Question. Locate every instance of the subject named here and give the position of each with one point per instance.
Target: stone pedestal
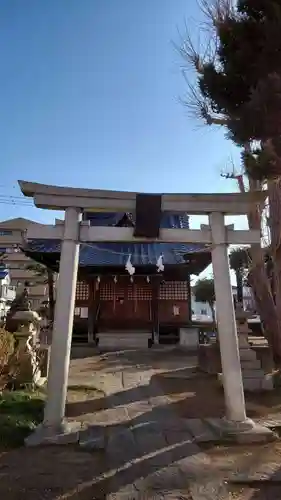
(254, 377)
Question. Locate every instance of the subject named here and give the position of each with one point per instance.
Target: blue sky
(90, 97)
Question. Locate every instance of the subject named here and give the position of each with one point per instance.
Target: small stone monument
(254, 377)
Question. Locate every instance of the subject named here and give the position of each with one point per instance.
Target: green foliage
(242, 83)
(37, 269)
(204, 291)
(47, 276)
(239, 258)
(20, 413)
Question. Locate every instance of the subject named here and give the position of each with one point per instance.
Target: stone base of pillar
(241, 432)
(65, 433)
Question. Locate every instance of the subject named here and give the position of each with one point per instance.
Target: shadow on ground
(142, 450)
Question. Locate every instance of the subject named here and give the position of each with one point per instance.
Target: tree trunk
(265, 306)
(261, 287)
(274, 197)
(239, 283)
(213, 312)
(50, 278)
(259, 281)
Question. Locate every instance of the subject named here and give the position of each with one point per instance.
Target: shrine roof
(3, 273)
(116, 254)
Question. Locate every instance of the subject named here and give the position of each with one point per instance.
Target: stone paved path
(150, 452)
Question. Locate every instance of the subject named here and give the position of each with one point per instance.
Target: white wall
(203, 309)
(200, 308)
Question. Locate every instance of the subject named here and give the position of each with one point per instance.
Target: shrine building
(130, 287)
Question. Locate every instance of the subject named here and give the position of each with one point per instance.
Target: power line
(11, 204)
(12, 196)
(9, 199)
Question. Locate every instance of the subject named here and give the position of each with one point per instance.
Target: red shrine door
(125, 304)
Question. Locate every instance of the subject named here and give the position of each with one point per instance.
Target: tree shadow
(126, 397)
(127, 359)
(142, 455)
(137, 457)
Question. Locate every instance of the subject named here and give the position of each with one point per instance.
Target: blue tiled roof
(3, 273)
(116, 254)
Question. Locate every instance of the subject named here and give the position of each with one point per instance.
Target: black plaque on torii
(148, 215)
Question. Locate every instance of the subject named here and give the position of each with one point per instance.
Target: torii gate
(73, 201)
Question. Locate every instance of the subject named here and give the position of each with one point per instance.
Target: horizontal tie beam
(98, 234)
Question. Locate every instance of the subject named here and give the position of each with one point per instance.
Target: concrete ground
(149, 451)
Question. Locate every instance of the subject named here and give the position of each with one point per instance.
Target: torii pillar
(63, 323)
(227, 328)
(73, 201)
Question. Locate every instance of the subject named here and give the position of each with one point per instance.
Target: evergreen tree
(239, 87)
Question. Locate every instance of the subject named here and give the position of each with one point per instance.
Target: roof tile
(116, 254)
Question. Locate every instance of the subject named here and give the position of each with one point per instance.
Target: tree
(232, 91)
(204, 291)
(239, 263)
(47, 277)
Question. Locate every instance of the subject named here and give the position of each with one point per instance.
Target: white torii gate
(73, 232)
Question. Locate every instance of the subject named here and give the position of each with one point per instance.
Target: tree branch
(189, 54)
(198, 106)
(216, 11)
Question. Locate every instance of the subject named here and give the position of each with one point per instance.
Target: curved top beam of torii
(60, 198)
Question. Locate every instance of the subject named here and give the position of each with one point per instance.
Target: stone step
(268, 382)
(251, 364)
(247, 355)
(252, 384)
(253, 374)
(119, 340)
(200, 430)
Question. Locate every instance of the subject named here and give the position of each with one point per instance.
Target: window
(204, 311)
(107, 291)
(139, 292)
(82, 290)
(173, 290)
(5, 232)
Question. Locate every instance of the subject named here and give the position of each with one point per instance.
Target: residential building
(11, 241)
(7, 292)
(201, 311)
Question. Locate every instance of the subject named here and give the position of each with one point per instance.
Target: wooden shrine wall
(126, 300)
(173, 304)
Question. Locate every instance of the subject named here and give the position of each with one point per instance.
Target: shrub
(7, 346)
(7, 353)
(20, 413)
